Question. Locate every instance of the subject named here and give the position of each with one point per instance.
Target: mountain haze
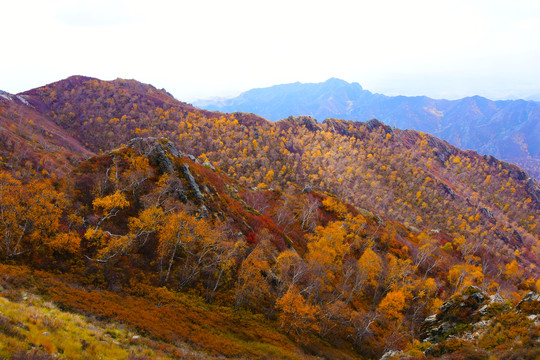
(506, 129)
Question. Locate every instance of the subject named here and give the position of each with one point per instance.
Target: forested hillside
(506, 129)
(211, 234)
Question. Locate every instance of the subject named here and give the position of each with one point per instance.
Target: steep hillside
(504, 129)
(403, 175)
(31, 143)
(181, 253)
(132, 222)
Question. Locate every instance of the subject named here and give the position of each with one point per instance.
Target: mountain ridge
(507, 129)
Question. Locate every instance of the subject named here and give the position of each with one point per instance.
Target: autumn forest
(136, 226)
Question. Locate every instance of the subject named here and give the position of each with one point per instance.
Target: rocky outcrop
(533, 189)
(209, 165)
(192, 182)
(487, 214)
(376, 124)
(5, 95)
(513, 170)
(338, 126)
(447, 189)
(456, 316)
(469, 321)
(157, 151)
(395, 355)
(517, 237)
(530, 304)
(310, 123)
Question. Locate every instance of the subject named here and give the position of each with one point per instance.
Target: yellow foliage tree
(29, 215)
(333, 205)
(398, 272)
(327, 248)
(108, 207)
(252, 287)
(269, 176)
(297, 314)
(184, 236)
(512, 271)
(371, 265)
(289, 268)
(392, 305)
(463, 275)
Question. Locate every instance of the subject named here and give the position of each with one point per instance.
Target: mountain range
(506, 129)
(135, 226)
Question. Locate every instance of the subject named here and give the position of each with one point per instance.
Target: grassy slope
(165, 321)
(34, 323)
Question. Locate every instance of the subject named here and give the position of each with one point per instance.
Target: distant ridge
(506, 129)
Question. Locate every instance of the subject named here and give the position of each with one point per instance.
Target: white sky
(199, 49)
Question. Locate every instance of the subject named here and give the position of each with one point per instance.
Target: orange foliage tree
(29, 215)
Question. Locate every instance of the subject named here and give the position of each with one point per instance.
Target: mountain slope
(116, 263)
(504, 129)
(157, 237)
(333, 239)
(30, 141)
(408, 176)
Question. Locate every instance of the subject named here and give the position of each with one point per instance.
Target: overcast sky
(199, 49)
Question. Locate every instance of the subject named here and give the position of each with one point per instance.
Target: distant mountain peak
(334, 80)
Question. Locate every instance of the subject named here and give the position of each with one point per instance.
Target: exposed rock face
(471, 318)
(513, 170)
(449, 191)
(336, 126)
(534, 190)
(443, 150)
(192, 182)
(517, 236)
(531, 296)
(156, 150)
(159, 153)
(310, 123)
(530, 304)
(209, 165)
(487, 213)
(455, 315)
(394, 355)
(5, 95)
(376, 124)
